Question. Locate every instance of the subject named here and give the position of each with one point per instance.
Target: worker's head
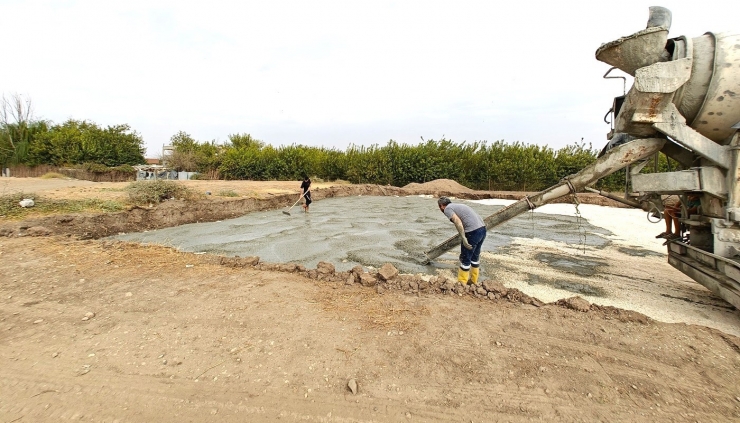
(443, 202)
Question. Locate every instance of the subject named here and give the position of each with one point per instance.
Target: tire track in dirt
(128, 398)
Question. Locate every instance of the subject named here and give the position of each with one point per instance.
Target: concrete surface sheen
(364, 230)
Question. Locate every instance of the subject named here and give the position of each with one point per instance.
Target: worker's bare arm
(461, 230)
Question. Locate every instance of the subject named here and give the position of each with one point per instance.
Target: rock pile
(388, 277)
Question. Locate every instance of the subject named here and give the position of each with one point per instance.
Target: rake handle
(299, 199)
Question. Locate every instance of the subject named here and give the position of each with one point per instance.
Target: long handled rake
(291, 207)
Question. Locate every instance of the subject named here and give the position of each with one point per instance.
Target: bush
(95, 168)
(124, 168)
(227, 193)
(53, 175)
(154, 192)
(479, 165)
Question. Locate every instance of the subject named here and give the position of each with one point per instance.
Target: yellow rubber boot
(462, 276)
(474, 271)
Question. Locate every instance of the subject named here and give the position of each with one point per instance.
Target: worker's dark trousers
(472, 257)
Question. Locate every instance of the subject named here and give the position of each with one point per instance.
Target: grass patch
(154, 192)
(54, 175)
(10, 209)
(227, 193)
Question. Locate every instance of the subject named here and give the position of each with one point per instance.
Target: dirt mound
(447, 185)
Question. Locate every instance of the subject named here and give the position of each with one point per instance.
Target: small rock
(575, 303)
(239, 261)
(85, 370)
(38, 321)
(357, 271)
(288, 267)
(38, 231)
(387, 272)
(448, 284)
(368, 280)
(352, 385)
(405, 283)
(55, 355)
(325, 268)
(495, 287)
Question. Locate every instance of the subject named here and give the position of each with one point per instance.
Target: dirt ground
(58, 188)
(96, 330)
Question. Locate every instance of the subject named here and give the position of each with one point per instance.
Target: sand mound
(447, 185)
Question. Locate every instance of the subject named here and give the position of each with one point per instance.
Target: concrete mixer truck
(685, 103)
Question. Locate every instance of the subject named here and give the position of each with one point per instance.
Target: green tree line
(479, 165)
(28, 141)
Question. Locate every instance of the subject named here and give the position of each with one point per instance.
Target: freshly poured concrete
(608, 256)
(369, 231)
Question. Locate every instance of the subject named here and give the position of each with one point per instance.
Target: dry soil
(94, 330)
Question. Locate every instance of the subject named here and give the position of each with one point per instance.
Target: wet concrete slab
(572, 264)
(364, 230)
(639, 252)
(583, 289)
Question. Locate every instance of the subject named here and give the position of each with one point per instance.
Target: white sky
(331, 73)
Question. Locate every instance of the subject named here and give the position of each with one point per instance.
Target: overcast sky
(331, 73)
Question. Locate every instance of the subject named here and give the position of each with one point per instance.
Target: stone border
(388, 278)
